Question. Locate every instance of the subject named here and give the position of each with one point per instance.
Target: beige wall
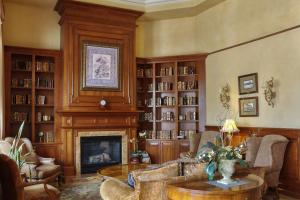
(31, 26)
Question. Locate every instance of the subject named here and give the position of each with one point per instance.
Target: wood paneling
(96, 24)
(79, 109)
(290, 173)
(167, 151)
(153, 148)
(161, 151)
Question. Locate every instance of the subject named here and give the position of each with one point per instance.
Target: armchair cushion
(37, 192)
(253, 144)
(44, 171)
(207, 136)
(4, 147)
(113, 189)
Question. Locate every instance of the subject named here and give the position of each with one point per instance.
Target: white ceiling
(154, 9)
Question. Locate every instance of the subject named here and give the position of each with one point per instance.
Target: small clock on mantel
(103, 103)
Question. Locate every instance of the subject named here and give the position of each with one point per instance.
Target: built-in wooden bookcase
(171, 94)
(31, 77)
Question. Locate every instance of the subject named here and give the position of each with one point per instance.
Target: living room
(146, 84)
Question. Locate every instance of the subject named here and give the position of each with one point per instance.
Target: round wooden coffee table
(200, 189)
(120, 171)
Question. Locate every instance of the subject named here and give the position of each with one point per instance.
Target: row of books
(21, 99)
(44, 66)
(166, 101)
(20, 116)
(144, 73)
(42, 117)
(190, 115)
(164, 86)
(186, 70)
(147, 116)
(45, 83)
(46, 137)
(26, 83)
(187, 85)
(185, 133)
(187, 100)
(166, 71)
(164, 134)
(168, 116)
(22, 65)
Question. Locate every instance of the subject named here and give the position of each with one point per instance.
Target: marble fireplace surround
(100, 133)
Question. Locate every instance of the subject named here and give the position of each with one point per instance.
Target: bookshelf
(172, 100)
(30, 79)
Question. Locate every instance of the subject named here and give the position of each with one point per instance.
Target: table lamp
(229, 127)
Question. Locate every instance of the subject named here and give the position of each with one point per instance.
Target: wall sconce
(269, 92)
(225, 97)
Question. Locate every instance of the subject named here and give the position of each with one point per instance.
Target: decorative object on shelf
(248, 107)
(248, 84)
(228, 128)
(269, 92)
(225, 96)
(100, 66)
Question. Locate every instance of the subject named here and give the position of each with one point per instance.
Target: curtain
(1, 73)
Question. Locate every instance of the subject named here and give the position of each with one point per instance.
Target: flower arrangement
(215, 156)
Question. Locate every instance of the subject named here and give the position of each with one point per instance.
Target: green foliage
(15, 152)
(212, 154)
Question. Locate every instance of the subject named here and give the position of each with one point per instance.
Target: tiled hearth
(124, 140)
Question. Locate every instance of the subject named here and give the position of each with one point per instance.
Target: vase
(226, 168)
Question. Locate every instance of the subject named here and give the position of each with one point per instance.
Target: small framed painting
(100, 68)
(248, 84)
(248, 107)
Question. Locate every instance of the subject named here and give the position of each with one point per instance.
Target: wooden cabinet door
(153, 148)
(167, 151)
(182, 146)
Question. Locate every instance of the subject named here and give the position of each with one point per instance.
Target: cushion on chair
(113, 189)
(37, 192)
(253, 144)
(24, 148)
(44, 171)
(4, 147)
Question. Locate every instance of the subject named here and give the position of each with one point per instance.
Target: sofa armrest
(113, 189)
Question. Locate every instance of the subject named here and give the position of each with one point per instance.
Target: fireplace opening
(100, 151)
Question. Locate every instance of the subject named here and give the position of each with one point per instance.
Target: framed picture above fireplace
(100, 68)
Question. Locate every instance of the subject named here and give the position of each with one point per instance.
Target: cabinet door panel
(153, 148)
(182, 146)
(167, 151)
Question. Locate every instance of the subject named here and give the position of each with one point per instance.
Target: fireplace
(99, 151)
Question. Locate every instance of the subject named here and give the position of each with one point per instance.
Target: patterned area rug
(82, 188)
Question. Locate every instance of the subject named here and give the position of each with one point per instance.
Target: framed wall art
(248, 84)
(248, 107)
(100, 68)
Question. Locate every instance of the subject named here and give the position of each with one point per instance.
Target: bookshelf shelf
(30, 78)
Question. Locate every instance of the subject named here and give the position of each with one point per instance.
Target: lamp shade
(229, 126)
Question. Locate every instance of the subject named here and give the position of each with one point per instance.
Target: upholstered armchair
(267, 152)
(151, 184)
(197, 141)
(36, 167)
(14, 188)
